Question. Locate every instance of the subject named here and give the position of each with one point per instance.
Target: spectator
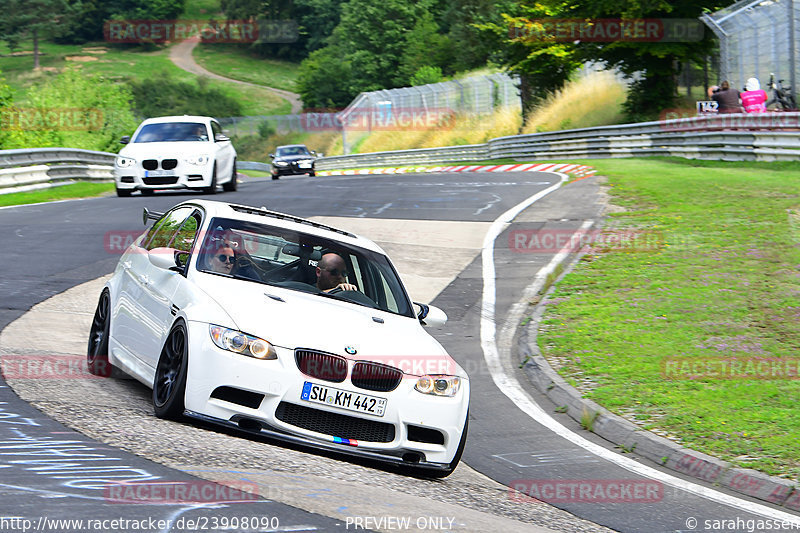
(754, 97)
(727, 99)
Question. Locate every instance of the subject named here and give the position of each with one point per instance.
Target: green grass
(63, 192)
(201, 9)
(233, 61)
(255, 173)
(119, 63)
(720, 282)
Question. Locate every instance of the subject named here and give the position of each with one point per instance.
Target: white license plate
(158, 173)
(304, 165)
(352, 401)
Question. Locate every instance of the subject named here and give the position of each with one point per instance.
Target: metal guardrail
(733, 137)
(34, 168)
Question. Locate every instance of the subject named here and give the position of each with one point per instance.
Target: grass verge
(63, 192)
(720, 282)
(232, 61)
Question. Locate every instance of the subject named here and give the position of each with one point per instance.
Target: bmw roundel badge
(350, 350)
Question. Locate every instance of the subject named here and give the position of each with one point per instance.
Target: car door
(162, 284)
(135, 320)
(225, 154)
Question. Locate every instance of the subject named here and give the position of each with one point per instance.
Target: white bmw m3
(284, 327)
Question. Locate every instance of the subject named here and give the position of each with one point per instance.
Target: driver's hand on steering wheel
(343, 287)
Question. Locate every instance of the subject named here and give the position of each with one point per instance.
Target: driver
(332, 274)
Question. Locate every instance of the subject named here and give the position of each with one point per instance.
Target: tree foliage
(21, 19)
(164, 95)
(72, 110)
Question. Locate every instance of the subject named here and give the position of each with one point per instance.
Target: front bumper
(182, 176)
(267, 393)
(291, 169)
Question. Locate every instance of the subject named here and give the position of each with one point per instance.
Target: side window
(167, 226)
(215, 128)
(185, 236)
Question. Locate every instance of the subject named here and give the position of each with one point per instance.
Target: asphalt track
(48, 249)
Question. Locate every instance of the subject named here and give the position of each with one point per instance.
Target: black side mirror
(272, 156)
(125, 139)
(150, 215)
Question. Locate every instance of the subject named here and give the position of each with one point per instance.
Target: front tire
(231, 185)
(97, 351)
(212, 189)
(169, 387)
(123, 193)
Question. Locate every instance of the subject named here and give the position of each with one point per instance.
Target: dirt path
(181, 55)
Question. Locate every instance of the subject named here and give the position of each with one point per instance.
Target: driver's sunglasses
(226, 258)
(337, 272)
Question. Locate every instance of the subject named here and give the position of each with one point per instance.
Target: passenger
(222, 260)
(332, 274)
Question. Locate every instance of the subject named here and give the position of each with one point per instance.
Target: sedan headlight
(198, 160)
(280, 163)
(125, 162)
(242, 343)
(438, 385)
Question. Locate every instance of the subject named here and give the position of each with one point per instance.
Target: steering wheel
(335, 290)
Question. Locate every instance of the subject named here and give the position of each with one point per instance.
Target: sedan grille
(375, 376)
(150, 164)
(169, 164)
(320, 365)
(334, 424)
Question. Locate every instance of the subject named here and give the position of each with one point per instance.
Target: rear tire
(169, 387)
(97, 351)
(231, 185)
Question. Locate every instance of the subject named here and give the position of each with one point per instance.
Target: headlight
(236, 341)
(280, 163)
(438, 385)
(125, 162)
(198, 160)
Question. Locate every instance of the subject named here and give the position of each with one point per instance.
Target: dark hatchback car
(292, 159)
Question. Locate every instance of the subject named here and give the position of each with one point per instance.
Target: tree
(324, 78)
(425, 47)
(20, 19)
(654, 63)
(542, 64)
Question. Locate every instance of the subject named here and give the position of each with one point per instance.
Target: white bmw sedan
(284, 327)
(184, 152)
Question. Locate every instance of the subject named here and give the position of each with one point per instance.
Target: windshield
(284, 151)
(276, 256)
(172, 132)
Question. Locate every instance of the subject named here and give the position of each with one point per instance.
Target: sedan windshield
(172, 132)
(297, 261)
(285, 151)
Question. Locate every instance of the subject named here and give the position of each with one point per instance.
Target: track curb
(631, 438)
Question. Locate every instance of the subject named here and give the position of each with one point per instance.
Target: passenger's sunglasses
(226, 258)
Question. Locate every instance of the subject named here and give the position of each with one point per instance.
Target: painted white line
(503, 376)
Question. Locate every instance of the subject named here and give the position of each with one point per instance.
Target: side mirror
(430, 315)
(272, 156)
(150, 215)
(166, 258)
(125, 139)
(221, 137)
(313, 152)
